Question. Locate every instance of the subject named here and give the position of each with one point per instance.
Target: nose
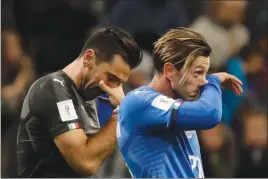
(203, 81)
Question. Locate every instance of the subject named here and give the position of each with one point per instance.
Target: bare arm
(86, 154)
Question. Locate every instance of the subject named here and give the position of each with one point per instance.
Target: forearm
(102, 144)
(204, 113)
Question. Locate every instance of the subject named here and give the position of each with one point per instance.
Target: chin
(192, 98)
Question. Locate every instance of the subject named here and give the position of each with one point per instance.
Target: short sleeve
(53, 104)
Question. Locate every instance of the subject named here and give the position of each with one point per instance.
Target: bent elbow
(87, 169)
(92, 168)
(214, 116)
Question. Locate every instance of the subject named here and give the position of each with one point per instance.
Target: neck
(75, 75)
(160, 84)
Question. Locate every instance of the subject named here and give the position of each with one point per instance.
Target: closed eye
(113, 78)
(199, 72)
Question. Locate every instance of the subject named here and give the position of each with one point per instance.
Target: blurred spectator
(17, 74)
(252, 146)
(249, 62)
(222, 28)
(139, 15)
(256, 20)
(141, 75)
(218, 152)
(16, 69)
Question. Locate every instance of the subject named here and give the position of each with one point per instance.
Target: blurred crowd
(40, 36)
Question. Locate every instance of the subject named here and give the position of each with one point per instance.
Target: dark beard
(91, 93)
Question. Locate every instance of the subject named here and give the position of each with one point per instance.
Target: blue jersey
(157, 136)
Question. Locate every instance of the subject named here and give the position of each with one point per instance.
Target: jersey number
(196, 162)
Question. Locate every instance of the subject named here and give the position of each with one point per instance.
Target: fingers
(239, 88)
(236, 89)
(116, 93)
(236, 84)
(235, 79)
(105, 88)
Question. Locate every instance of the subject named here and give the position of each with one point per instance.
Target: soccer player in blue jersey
(156, 124)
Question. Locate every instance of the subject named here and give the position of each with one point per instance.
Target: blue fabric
(149, 144)
(230, 101)
(204, 113)
(104, 110)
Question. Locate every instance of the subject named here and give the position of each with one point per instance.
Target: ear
(168, 70)
(89, 58)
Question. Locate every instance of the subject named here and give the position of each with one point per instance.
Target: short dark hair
(178, 46)
(113, 40)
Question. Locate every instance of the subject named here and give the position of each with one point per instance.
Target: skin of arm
(85, 154)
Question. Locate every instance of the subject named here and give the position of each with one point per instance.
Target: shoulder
(47, 92)
(143, 98)
(140, 95)
(51, 85)
(41, 88)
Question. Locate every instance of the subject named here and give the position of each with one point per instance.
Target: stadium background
(42, 36)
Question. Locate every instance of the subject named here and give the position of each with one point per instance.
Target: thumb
(105, 88)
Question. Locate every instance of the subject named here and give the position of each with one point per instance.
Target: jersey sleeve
(204, 113)
(152, 110)
(145, 110)
(53, 104)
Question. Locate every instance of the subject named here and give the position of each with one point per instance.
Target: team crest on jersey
(162, 102)
(66, 110)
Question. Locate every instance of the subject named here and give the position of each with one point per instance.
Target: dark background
(42, 36)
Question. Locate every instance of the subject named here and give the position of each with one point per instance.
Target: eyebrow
(200, 66)
(114, 76)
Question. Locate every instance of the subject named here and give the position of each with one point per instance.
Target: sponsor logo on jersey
(162, 102)
(60, 81)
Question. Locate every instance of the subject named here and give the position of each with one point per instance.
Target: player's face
(113, 73)
(196, 77)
